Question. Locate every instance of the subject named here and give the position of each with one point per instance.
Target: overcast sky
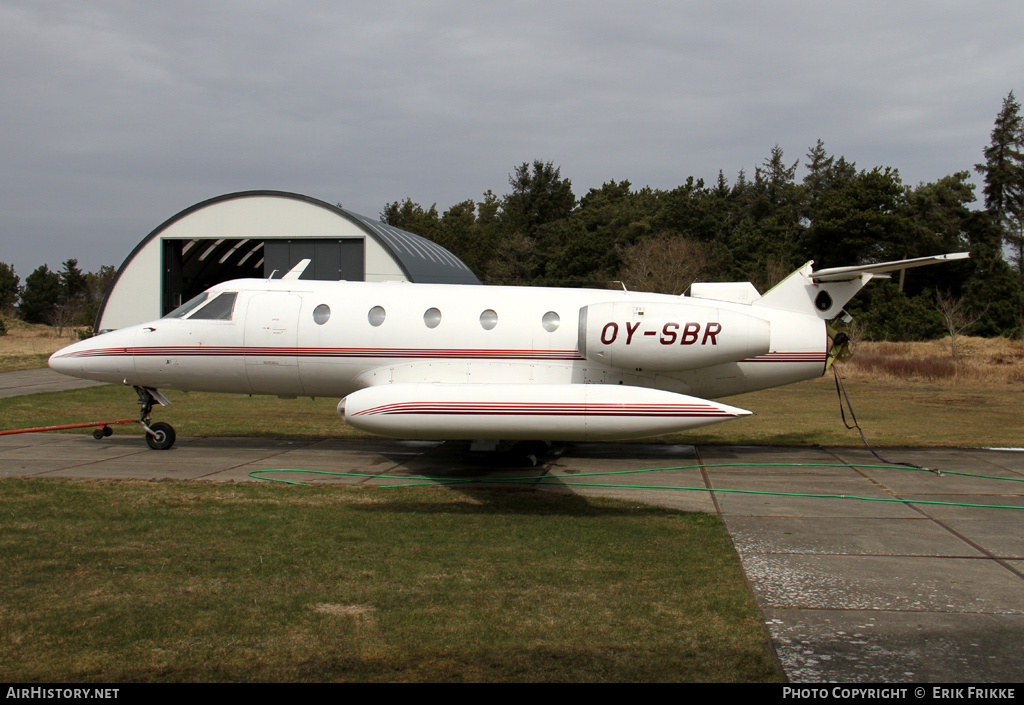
(115, 116)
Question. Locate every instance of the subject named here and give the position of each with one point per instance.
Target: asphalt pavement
(13, 384)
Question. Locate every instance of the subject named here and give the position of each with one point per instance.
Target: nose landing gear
(159, 435)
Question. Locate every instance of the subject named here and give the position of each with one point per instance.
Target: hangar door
(333, 260)
(192, 266)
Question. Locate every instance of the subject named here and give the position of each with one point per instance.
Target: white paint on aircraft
(434, 361)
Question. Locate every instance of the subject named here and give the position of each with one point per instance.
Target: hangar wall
(254, 233)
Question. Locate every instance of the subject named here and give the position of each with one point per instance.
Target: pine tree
(42, 293)
(74, 282)
(539, 196)
(992, 287)
(1004, 178)
(9, 287)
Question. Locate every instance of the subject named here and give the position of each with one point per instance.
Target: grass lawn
(132, 581)
(892, 413)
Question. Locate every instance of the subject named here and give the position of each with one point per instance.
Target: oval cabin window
(321, 314)
(432, 318)
(550, 321)
(376, 316)
(488, 319)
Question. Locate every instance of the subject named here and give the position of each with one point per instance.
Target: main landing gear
(159, 435)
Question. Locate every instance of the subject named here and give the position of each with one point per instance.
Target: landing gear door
(271, 337)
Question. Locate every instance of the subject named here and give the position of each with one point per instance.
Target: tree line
(759, 228)
(64, 299)
(754, 228)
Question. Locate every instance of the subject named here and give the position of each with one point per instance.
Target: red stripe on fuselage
(553, 409)
(234, 351)
(455, 353)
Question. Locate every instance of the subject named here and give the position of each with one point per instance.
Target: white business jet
(441, 362)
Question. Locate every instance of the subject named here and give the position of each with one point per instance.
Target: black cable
(841, 393)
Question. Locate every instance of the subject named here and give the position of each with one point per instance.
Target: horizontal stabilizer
(838, 274)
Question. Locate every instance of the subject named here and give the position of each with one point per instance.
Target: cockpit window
(188, 306)
(217, 310)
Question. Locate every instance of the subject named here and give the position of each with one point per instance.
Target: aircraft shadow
(498, 482)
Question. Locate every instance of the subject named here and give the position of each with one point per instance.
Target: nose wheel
(159, 435)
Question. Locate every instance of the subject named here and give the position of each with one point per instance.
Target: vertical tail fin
(801, 292)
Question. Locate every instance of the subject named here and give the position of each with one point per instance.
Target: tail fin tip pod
(826, 291)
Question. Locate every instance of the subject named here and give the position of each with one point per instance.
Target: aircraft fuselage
(309, 338)
(485, 362)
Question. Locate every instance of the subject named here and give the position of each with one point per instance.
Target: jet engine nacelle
(565, 412)
(669, 336)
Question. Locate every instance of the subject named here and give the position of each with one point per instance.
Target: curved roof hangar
(260, 234)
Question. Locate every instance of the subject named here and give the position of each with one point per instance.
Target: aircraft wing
(838, 274)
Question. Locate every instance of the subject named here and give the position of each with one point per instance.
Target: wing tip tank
(528, 412)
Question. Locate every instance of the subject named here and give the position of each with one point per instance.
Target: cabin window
(188, 306)
(432, 318)
(550, 321)
(217, 310)
(376, 316)
(488, 319)
(321, 314)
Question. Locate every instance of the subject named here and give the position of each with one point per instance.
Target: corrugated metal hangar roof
(253, 234)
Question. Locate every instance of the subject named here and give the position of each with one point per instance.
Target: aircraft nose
(105, 358)
(64, 363)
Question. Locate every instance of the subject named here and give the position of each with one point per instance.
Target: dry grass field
(983, 362)
(27, 346)
(904, 394)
